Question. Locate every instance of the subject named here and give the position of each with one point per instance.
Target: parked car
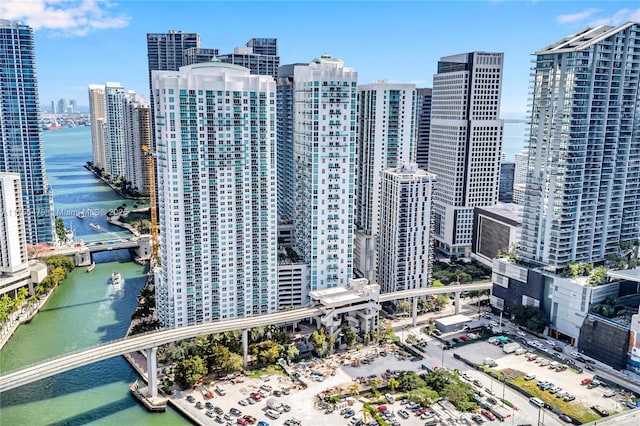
(530, 377)
(191, 399)
(580, 359)
(464, 338)
(589, 367)
(590, 361)
(565, 418)
(569, 398)
(488, 414)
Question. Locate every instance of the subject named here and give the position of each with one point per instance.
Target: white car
(574, 353)
(521, 333)
(493, 324)
(551, 343)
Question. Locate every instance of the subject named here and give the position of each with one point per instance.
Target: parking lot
(540, 370)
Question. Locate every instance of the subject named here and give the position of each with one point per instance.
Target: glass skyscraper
(20, 131)
(582, 197)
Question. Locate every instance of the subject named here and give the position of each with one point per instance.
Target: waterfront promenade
(23, 315)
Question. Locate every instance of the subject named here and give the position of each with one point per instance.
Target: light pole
(442, 364)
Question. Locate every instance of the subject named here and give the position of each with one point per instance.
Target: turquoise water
(82, 312)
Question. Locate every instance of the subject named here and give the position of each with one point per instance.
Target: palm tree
(374, 383)
(393, 384)
(366, 414)
(354, 389)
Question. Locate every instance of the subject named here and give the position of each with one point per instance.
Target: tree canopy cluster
(435, 385)
(530, 317)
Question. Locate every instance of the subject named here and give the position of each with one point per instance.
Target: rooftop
(454, 319)
(510, 211)
(583, 39)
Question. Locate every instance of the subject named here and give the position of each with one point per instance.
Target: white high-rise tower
(216, 164)
(465, 144)
(98, 125)
(386, 138)
(324, 166)
(582, 197)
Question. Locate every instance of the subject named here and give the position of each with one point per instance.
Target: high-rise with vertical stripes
(465, 144)
(582, 196)
(216, 169)
(21, 149)
(386, 138)
(324, 158)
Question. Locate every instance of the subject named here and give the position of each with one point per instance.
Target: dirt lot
(568, 380)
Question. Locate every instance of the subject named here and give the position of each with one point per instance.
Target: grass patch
(574, 409)
(271, 369)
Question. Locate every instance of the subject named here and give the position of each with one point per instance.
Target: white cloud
(576, 17)
(620, 17)
(67, 17)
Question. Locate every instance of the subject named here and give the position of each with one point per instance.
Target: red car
(464, 338)
(250, 419)
(256, 396)
(242, 421)
(382, 408)
(488, 414)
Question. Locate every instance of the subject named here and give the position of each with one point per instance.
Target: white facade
(98, 125)
(324, 139)
(293, 284)
(137, 124)
(115, 149)
(13, 242)
(583, 186)
(404, 240)
(520, 175)
(571, 299)
(386, 138)
(465, 144)
(216, 168)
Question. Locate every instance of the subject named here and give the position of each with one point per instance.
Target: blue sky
(80, 42)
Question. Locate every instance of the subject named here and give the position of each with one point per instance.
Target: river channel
(82, 312)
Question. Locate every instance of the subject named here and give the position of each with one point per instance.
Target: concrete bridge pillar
(144, 249)
(245, 347)
(414, 312)
(457, 302)
(152, 372)
(82, 257)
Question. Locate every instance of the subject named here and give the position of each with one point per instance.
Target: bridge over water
(149, 342)
(82, 252)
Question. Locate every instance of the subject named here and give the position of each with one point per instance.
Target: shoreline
(24, 318)
(116, 190)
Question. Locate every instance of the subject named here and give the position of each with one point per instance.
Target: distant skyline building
(405, 249)
(53, 107)
(260, 55)
(21, 149)
(13, 244)
(285, 117)
(465, 144)
(505, 190)
(520, 176)
(582, 196)
(62, 106)
(423, 126)
(324, 167)
(386, 138)
(197, 55)
(115, 148)
(217, 194)
(98, 119)
(73, 106)
(137, 126)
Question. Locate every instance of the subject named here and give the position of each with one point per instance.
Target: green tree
(292, 352)
(350, 336)
(374, 383)
(393, 384)
(190, 370)
(404, 306)
(423, 395)
(319, 341)
(331, 342)
(267, 351)
(409, 381)
(354, 389)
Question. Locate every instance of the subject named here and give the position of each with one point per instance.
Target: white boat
(80, 215)
(116, 280)
(91, 267)
(68, 236)
(95, 226)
